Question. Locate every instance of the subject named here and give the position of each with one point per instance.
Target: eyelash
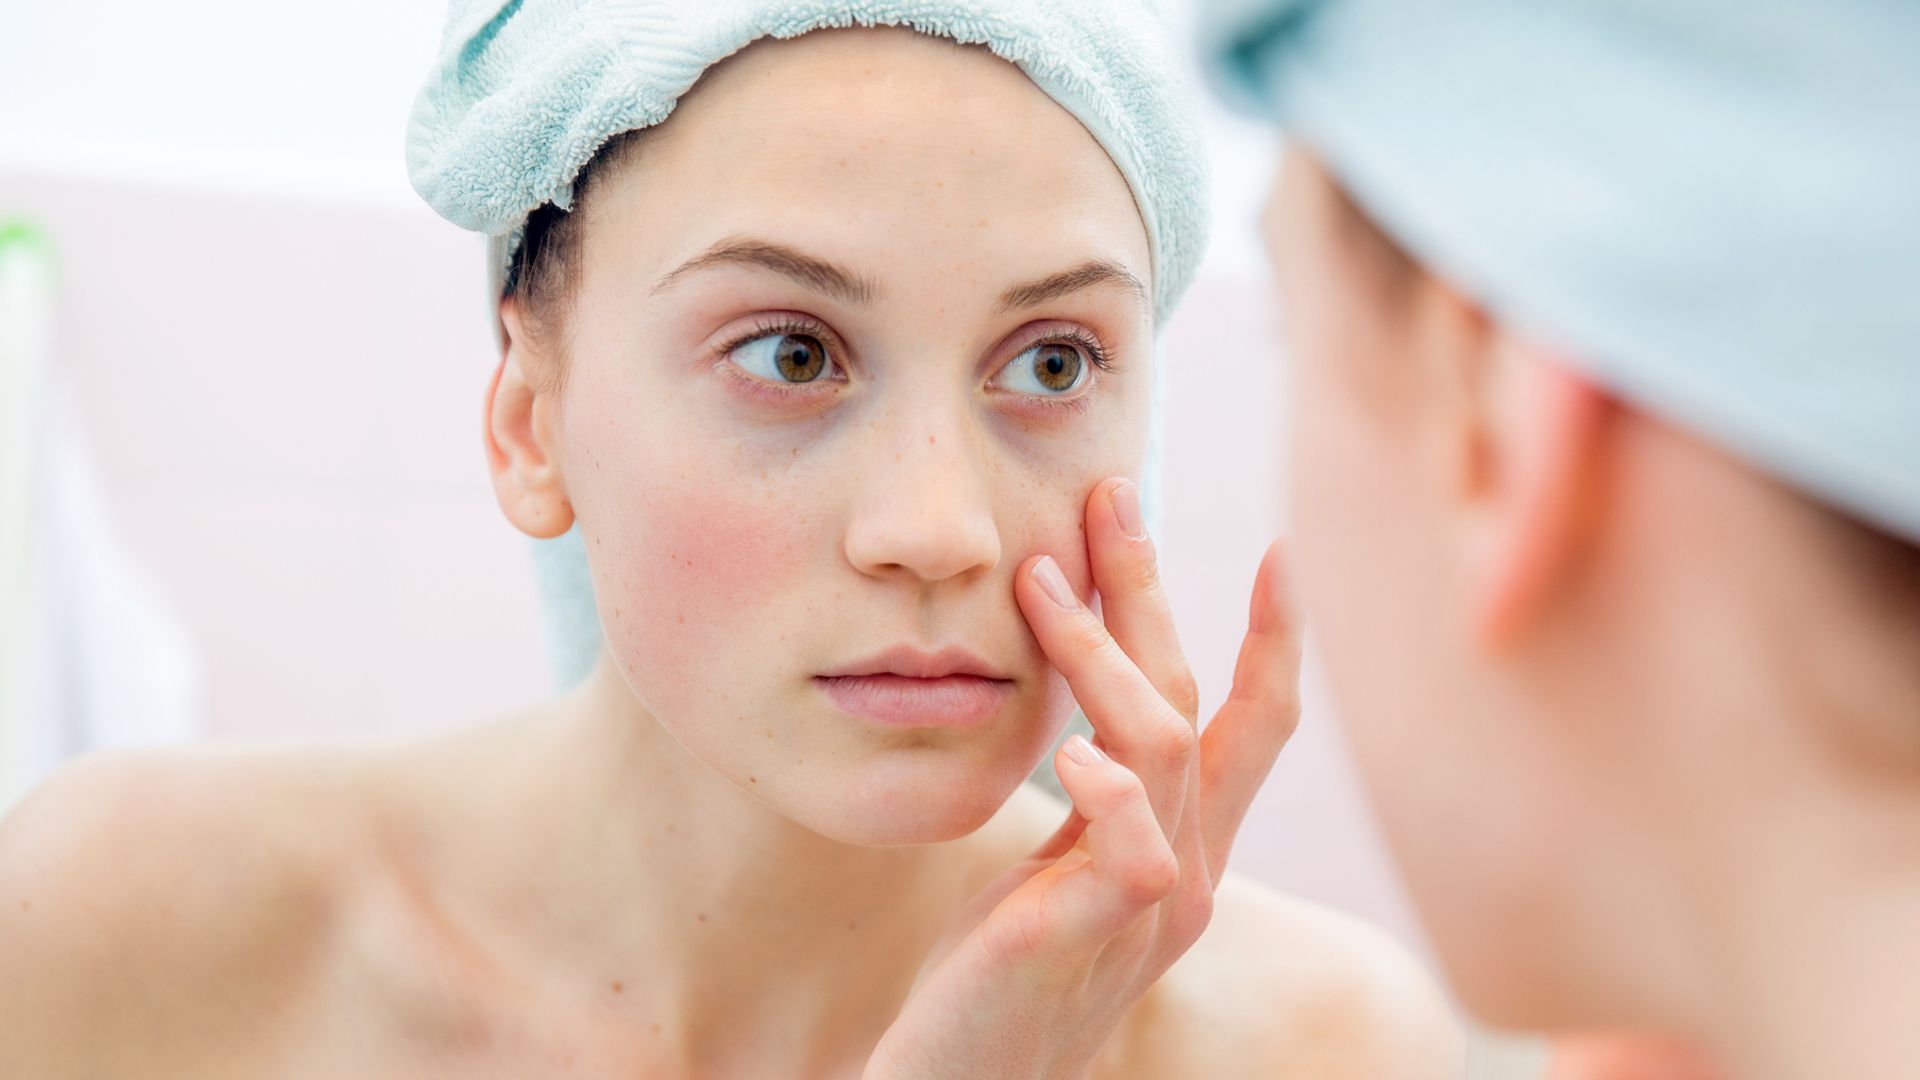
(1097, 353)
(1096, 350)
(768, 326)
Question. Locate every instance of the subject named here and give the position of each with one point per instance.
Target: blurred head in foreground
(1606, 493)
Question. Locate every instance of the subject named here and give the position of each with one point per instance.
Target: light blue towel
(525, 91)
(1712, 207)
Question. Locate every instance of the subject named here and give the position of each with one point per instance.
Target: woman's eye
(784, 358)
(1048, 369)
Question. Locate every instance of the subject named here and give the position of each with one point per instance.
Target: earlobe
(521, 450)
(1544, 485)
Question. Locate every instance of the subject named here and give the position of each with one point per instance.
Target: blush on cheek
(684, 574)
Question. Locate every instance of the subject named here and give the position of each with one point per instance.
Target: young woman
(1607, 496)
(832, 371)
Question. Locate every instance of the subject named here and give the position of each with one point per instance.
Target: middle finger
(1136, 725)
(1126, 572)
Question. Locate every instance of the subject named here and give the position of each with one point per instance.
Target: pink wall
(283, 395)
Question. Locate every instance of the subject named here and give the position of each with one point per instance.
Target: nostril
(929, 546)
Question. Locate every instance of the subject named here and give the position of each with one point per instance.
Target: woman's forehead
(912, 114)
(864, 70)
(1000, 189)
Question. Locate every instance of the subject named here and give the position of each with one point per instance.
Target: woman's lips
(908, 702)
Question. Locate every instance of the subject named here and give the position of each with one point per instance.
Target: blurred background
(241, 366)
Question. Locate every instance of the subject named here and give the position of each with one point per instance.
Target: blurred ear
(1534, 483)
(521, 430)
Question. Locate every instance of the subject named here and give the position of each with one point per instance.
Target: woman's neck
(1791, 796)
(731, 925)
(1821, 976)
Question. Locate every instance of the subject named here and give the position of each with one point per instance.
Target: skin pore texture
(697, 863)
(1642, 725)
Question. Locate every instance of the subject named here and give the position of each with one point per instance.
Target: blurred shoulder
(126, 835)
(1279, 986)
(160, 893)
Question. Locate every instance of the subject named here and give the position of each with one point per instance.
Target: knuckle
(1286, 714)
(1020, 936)
(1175, 742)
(1152, 877)
(1190, 914)
(1183, 693)
(1090, 636)
(1126, 792)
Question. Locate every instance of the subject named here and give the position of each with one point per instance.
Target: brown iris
(799, 357)
(1057, 366)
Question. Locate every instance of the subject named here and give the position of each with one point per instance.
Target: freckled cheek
(685, 528)
(1045, 495)
(1059, 534)
(686, 574)
(1051, 520)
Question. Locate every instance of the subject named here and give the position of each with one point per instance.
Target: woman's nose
(924, 509)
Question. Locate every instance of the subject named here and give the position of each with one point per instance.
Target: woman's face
(855, 332)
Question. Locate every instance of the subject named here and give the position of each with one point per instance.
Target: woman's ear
(522, 436)
(1542, 443)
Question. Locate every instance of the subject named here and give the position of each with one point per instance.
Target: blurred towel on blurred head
(1713, 208)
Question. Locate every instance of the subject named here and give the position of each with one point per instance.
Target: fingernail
(1047, 573)
(1126, 509)
(1082, 751)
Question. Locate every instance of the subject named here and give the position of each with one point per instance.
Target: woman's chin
(907, 797)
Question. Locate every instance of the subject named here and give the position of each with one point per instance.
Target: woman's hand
(1056, 951)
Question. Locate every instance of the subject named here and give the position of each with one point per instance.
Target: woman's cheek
(1052, 521)
(685, 574)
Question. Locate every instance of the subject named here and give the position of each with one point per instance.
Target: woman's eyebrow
(815, 273)
(1086, 275)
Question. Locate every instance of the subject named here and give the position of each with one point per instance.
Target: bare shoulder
(1277, 986)
(159, 903)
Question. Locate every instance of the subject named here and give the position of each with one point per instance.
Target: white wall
(232, 92)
